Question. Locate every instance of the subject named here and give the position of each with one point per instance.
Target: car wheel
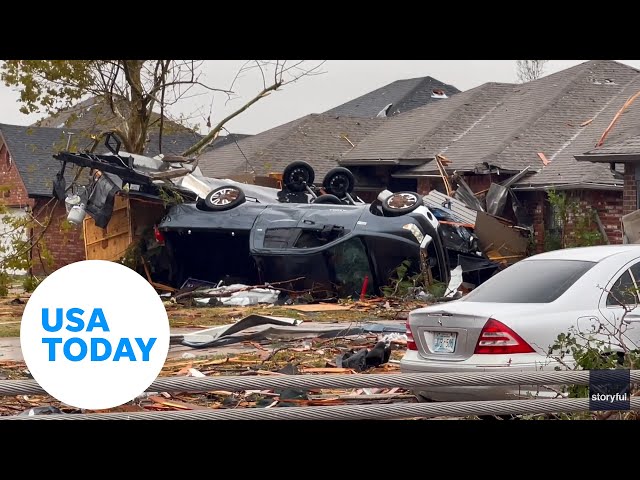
(339, 181)
(328, 199)
(400, 203)
(224, 198)
(297, 176)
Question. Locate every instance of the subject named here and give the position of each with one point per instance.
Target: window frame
(636, 282)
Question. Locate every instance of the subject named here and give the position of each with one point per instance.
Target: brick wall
(478, 183)
(13, 193)
(534, 204)
(629, 195)
(608, 204)
(64, 241)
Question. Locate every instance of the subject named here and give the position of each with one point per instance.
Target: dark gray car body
(328, 248)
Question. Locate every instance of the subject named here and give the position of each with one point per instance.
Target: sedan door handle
(635, 318)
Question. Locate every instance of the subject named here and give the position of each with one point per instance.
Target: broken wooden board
(631, 226)
(319, 307)
(499, 239)
(177, 404)
(109, 243)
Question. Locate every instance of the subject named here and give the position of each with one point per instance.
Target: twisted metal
(350, 412)
(404, 380)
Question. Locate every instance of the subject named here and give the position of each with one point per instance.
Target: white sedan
(509, 322)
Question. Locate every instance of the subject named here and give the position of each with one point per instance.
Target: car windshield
(530, 281)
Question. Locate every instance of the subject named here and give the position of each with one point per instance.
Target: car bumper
(413, 363)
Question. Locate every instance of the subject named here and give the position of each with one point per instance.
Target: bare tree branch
(528, 70)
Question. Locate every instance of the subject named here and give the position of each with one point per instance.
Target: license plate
(444, 342)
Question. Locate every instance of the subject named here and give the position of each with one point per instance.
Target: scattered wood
(178, 404)
(260, 372)
(372, 396)
(603, 232)
(441, 161)
(319, 307)
(616, 117)
(587, 122)
(256, 345)
(545, 160)
(327, 370)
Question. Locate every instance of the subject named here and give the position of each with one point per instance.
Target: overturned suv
(323, 240)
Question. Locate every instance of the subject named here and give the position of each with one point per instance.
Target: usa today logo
(94, 334)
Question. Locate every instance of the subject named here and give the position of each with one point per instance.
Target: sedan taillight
(158, 235)
(496, 337)
(411, 343)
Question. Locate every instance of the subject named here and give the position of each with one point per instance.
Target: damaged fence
(353, 412)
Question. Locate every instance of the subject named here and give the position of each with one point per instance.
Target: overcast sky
(342, 81)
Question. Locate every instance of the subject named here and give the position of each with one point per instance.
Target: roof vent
(438, 93)
(383, 113)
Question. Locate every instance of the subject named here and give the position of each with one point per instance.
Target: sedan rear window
(530, 281)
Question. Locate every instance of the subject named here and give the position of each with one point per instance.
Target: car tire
(327, 199)
(339, 181)
(297, 176)
(224, 198)
(401, 203)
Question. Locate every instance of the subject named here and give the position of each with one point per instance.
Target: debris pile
(360, 349)
(478, 238)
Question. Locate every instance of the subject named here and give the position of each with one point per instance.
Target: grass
(9, 329)
(211, 316)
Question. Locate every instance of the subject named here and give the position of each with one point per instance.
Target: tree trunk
(138, 118)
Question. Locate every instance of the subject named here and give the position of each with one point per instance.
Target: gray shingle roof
(404, 95)
(589, 98)
(630, 146)
(506, 126)
(404, 139)
(31, 149)
(318, 139)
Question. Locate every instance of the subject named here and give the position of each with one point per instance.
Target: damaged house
(318, 139)
(620, 150)
(493, 132)
(395, 98)
(322, 139)
(27, 173)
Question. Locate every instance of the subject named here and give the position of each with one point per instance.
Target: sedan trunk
(442, 335)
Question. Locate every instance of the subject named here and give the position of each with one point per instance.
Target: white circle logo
(94, 334)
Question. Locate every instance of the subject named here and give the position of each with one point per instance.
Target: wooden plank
(163, 287)
(543, 157)
(603, 232)
(120, 201)
(109, 249)
(492, 232)
(107, 237)
(109, 243)
(118, 224)
(319, 307)
(440, 161)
